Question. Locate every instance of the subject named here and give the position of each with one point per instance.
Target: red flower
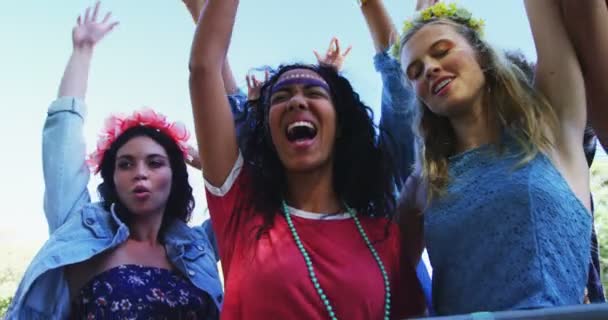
(115, 125)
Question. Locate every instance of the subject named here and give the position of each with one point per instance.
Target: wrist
(85, 51)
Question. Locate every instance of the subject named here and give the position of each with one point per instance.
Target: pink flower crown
(115, 125)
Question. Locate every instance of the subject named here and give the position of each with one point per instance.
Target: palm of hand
(89, 34)
(334, 57)
(254, 86)
(88, 31)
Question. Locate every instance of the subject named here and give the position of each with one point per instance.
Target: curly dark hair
(180, 202)
(363, 173)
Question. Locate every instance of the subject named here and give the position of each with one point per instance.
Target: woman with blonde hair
(503, 168)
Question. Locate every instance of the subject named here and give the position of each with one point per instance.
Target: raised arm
(559, 79)
(215, 131)
(587, 25)
(398, 102)
(380, 25)
(63, 149)
(195, 7)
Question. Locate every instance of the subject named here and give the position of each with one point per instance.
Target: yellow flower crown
(437, 11)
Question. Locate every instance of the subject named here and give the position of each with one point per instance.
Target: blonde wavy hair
(511, 100)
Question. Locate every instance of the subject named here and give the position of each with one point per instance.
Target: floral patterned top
(140, 292)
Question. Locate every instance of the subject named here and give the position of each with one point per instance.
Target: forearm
(76, 75)
(380, 25)
(411, 203)
(213, 119)
(397, 137)
(558, 68)
(397, 116)
(587, 26)
(63, 158)
(195, 7)
(213, 33)
(229, 80)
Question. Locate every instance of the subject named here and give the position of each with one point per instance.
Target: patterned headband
(299, 78)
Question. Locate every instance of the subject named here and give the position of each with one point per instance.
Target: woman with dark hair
(503, 167)
(132, 255)
(303, 218)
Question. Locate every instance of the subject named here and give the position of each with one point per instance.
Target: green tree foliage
(599, 188)
(4, 302)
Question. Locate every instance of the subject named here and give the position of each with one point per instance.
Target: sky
(143, 62)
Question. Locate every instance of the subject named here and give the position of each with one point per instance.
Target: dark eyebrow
(155, 155)
(285, 89)
(310, 86)
(130, 157)
(125, 156)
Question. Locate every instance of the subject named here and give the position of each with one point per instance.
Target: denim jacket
(80, 230)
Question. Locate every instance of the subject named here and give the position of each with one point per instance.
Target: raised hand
(254, 85)
(88, 30)
(423, 4)
(333, 56)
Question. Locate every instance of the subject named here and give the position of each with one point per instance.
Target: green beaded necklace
(313, 276)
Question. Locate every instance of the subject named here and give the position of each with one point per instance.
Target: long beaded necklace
(313, 276)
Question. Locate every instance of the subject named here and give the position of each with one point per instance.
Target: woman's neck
(146, 228)
(313, 192)
(474, 129)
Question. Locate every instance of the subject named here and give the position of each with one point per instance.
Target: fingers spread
(87, 16)
(347, 51)
(107, 17)
(337, 44)
(317, 55)
(114, 24)
(95, 11)
(248, 80)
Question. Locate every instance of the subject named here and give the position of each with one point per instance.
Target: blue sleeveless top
(139, 292)
(506, 237)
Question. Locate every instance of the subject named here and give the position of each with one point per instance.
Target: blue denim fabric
(240, 112)
(80, 230)
(397, 133)
(397, 116)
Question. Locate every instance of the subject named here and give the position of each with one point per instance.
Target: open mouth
(301, 131)
(442, 84)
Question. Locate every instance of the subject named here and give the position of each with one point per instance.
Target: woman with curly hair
(303, 218)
